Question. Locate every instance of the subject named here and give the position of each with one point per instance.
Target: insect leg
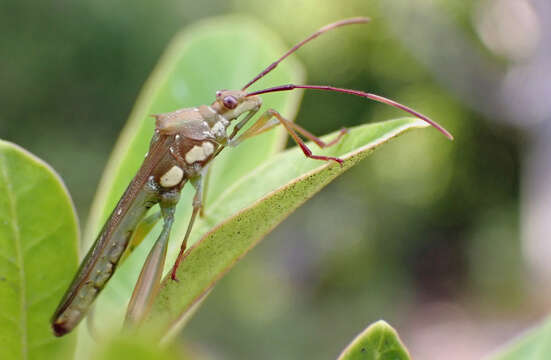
(149, 280)
(236, 129)
(242, 123)
(264, 123)
(197, 183)
(322, 144)
(272, 118)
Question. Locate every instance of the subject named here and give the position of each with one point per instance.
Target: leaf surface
(38, 255)
(378, 342)
(252, 207)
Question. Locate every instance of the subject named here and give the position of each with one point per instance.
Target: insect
(183, 145)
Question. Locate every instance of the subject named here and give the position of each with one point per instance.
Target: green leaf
(252, 207)
(220, 53)
(38, 255)
(126, 346)
(378, 342)
(534, 345)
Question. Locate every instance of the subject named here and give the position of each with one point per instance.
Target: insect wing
(99, 264)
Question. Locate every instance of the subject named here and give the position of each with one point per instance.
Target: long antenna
(374, 97)
(356, 20)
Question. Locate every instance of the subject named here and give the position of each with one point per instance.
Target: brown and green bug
(183, 145)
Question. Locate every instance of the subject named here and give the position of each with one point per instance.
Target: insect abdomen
(101, 261)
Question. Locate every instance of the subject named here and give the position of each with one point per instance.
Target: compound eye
(230, 102)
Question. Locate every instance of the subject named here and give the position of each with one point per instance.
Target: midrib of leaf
(380, 346)
(17, 235)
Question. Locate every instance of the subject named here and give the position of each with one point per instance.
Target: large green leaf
(38, 255)
(534, 345)
(253, 206)
(220, 53)
(378, 342)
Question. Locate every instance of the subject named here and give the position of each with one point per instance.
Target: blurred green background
(446, 241)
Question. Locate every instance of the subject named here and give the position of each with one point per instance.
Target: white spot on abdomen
(199, 153)
(172, 177)
(195, 154)
(208, 148)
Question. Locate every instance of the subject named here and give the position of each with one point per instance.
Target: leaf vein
(18, 248)
(40, 239)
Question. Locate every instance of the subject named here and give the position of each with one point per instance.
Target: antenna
(374, 97)
(326, 28)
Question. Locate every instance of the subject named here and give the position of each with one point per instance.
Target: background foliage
(443, 240)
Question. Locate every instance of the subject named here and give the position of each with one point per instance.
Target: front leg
(227, 139)
(243, 122)
(271, 118)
